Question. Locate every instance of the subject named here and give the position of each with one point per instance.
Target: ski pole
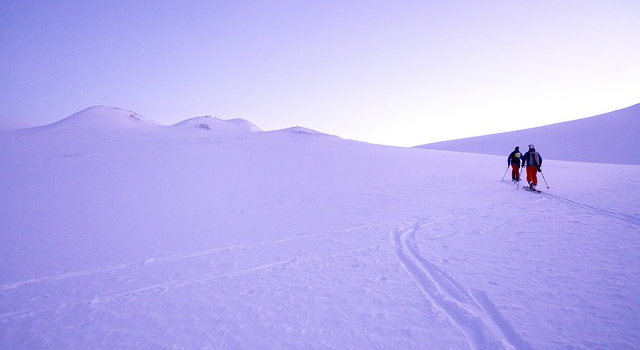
(545, 180)
(505, 173)
(519, 178)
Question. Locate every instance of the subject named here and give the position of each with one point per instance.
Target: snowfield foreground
(117, 233)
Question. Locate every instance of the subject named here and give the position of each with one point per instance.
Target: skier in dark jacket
(533, 161)
(514, 160)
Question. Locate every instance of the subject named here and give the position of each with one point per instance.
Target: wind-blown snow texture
(607, 138)
(118, 233)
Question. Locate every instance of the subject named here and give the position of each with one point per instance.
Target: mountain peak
(216, 124)
(103, 117)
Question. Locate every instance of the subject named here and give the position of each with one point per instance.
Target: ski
(515, 183)
(528, 188)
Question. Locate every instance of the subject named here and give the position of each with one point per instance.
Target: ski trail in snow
(155, 260)
(471, 326)
(159, 286)
(620, 216)
(212, 277)
(63, 276)
(150, 275)
(199, 279)
(175, 284)
(490, 309)
(472, 311)
(113, 268)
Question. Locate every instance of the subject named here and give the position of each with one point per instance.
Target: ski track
(471, 310)
(114, 268)
(105, 294)
(620, 216)
(156, 260)
(160, 286)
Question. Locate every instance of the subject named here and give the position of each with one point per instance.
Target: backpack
(534, 159)
(515, 157)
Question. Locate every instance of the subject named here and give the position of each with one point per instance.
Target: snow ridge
(218, 125)
(301, 130)
(607, 138)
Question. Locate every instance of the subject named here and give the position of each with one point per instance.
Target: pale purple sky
(390, 72)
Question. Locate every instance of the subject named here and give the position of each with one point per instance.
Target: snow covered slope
(164, 239)
(608, 138)
(219, 125)
(107, 119)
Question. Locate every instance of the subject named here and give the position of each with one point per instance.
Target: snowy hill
(608, 138)
(300, 130)
(102, 118)
(144, 236)
(219, 125)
